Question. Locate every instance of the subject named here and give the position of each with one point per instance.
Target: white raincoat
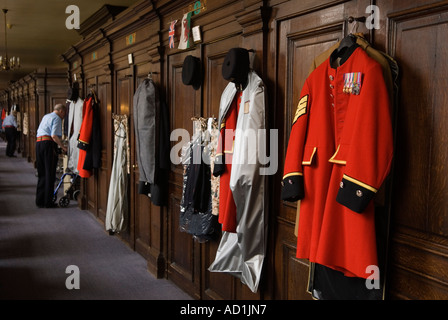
(242, 253)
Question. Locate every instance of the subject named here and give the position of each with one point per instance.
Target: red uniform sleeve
(85, 132)
(370, 151)
(292, 183)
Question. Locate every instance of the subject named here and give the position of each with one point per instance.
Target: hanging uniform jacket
(93, 155)
(242, 253)
(151, 123)
(326, 283)
(223, 169)
(339, 153)
(85, 133)
(89, 139)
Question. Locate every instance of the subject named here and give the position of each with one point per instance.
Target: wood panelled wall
(35, 94)
(286, 36)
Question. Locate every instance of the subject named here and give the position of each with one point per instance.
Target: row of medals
(352, 83)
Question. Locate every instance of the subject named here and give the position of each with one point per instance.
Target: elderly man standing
(10, 127)
(49, 136)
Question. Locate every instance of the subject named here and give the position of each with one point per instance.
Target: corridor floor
(44, 252)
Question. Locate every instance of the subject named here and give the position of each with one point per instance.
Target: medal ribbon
(346, 83)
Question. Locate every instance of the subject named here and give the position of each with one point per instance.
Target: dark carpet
(38, 245)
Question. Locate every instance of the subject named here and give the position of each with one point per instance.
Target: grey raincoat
(242, 253)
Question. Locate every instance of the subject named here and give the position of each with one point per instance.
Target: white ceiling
(38, 33)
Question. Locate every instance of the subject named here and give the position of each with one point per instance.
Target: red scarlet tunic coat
(223, 167)
(85, 133)
(339, 153)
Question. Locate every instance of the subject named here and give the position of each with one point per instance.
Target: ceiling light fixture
(5, 63)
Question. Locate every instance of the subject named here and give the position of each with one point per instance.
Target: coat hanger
(150, 75)
(94, 95)
(350, 39)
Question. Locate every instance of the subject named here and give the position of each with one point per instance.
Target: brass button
(331, 86)
(331, 78)
(341, 185)
(359, 193)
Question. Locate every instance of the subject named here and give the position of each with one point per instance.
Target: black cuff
(83, 146)
(144, 188)
(354, 196)
(292, 188)
(219, 166)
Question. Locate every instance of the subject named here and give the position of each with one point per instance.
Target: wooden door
(91, 184)
(123, 106)
(188, 260)
(149, 223)
(301, 30)
(416, 33)
(142, 205)
(184, 102)
(104, 95)
(218, 285)
(215, 285)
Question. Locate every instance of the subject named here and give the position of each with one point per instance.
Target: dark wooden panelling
(291, 277)
(300, 38)
(92, 187)
(183, 253)
(142, 204)
(123, 106)
(421, 121)
(419, 204)
(35, 94)
(412, 31)
(215, 285)
(104, 95)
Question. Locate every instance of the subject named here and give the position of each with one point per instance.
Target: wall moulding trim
(324, 4)
(395, 18)
(433, 243)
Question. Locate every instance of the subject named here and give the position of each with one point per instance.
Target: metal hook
(150, 74)
(359, 19)
(354, 27)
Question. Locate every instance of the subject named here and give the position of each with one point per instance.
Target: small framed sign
(196, 34)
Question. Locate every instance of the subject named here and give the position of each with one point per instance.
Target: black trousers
(46, 162)
(11, 135)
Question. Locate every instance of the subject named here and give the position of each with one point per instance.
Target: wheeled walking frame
(71, 192)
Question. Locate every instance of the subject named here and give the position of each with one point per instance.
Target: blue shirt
(50, 125)
(10, 121)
